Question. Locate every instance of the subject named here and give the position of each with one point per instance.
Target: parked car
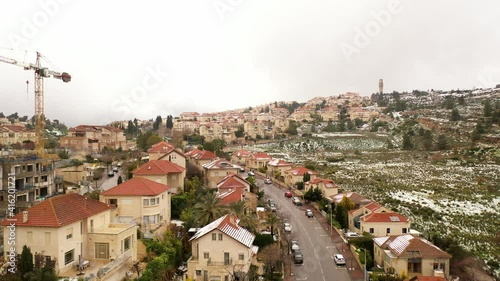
(111, 173)
(242, 170)
(288, 194)
(273, 208)
(251, 174)
(270, 202)
(309, 213)
(351, 234)
(115, 169)
(294, 247)
(339, 259)
(287, 227)
(268, 181)
(296, 201)
(298, 258)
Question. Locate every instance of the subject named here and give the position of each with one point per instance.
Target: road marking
(324, 235)
(303, 278)
(329, 247)
(317, 227)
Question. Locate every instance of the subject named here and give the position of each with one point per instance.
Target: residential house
(257, 160)
(167, 151)
(240, 156)
(163, 172)
(410, 256)
(329, 113)
(296, 174)
(70, 229)
(328, 187)
(140, 200)
(189, 115)
(254, 128)
(382, 224)
(220, 250)
(354, 197)
(12, 134)
(231, 195)
(278, 167)
(216, 170)
(233, 181)
(93, 138)
(354, 216)
(362, 114)
(200, 157)
(302, 114)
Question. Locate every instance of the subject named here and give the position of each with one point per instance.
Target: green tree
(455, 115)
(272, 222)
(306, 177)
(179, 203)
(341, 211)
(153, 139)
(25, 262)
(407, 144)
(313, 194)
(170, 122)
(427, 140)
(119, 180)
(157, 123)
(488, 109)
(240, 210)
(239, 132)
(207, 209)
(292, 128)
(442, 142)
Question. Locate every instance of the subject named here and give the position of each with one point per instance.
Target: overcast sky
(147, 58)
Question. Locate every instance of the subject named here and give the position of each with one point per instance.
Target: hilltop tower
(380, 86)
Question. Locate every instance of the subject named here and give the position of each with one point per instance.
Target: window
(113, 202)
(214, 236)
(198, 272)
(145, 202)
(127, 243)
(415, 265)
(404, 230)
(69, 256)
(102, 250)
(388, 230)
(206, 255)
(372, 230)
(47, 238)
(226, 278)
(220, 236)
(241, 257)
(152, 201)
(69, 233)
(438, 266)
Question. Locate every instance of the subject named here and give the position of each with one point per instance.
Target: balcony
(219, 263)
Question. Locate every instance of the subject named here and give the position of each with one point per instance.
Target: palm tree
(207, 209)
(241, 211)
(272, 221)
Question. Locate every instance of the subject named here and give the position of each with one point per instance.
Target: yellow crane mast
(40, 73)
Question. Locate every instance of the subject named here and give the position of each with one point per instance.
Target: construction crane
(40, 73)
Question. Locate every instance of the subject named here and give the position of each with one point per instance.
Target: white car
(287, 227)
(251, 174)
(339, 259)
(268, 181)
(295, 247)
(352, 234)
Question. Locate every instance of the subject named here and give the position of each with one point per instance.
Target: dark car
(298, 258)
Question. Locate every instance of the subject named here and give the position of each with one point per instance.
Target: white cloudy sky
(147, 58)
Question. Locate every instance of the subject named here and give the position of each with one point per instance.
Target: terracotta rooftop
(60, 211)
(233, 181)
(328, 183)
(300, 171)
(384, 217)
(230, 195)
(242, 153)
(161, 147)
(158, 167)
(278, 163)
(137, 187)
(261, 156)
(410, 246)
(220, 164)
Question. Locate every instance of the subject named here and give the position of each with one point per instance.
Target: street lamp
(331, 219)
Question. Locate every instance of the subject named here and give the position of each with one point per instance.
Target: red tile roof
(231, 195)
(278, 163)
(15, 128)
(220, 164)
(137, 187)
(428, 278)
(60, 211)
(261, 156)
(300, 171)
(373, 206)
(233, 181)
(201, 154)
(242, 153)
(158, 167)
(384, 217)
(326, 182)
(161, 147)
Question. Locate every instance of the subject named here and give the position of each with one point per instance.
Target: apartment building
(216, 170)
(167, 151)
(164, 172)
(12, 134)
(326, 186)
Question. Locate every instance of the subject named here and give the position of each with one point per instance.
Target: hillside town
(191, 198)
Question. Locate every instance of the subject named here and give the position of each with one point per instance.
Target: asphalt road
(109, 182)
(314, 242)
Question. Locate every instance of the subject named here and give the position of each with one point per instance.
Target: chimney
(149, 167)
(25, 216)
(232, 220)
